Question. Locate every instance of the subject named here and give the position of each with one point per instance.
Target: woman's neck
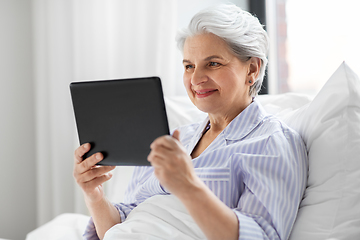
(219, 121)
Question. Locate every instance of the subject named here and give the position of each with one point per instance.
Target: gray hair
(242, 32)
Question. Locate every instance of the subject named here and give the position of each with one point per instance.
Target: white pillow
(330, 126)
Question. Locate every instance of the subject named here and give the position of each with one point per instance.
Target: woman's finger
(176, 134)
(89, 186)
(80, 151)
(94, 173)
(87, 164)
(161, 151)
(164, 141)
(90, 162)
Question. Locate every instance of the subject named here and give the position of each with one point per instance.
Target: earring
(250, 81)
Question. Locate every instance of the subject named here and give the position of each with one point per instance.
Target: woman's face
(216, 81)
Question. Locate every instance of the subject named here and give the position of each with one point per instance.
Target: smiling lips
(204, 93)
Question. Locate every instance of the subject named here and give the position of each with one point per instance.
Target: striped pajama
(257, 166)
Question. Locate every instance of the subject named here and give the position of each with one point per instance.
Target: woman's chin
(205, 107)
(204, 104)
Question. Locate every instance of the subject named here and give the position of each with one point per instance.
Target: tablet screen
(120, 118)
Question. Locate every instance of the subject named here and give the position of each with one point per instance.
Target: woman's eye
(188, 67)
(214, 64)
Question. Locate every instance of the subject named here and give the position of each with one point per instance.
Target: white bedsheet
(159, 217)
(68, 226)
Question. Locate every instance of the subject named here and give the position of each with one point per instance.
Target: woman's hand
(172, 165)
(174, 169)
(89, 176)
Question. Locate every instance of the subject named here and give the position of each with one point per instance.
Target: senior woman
(241, 173)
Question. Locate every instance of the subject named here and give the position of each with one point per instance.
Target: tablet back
(120, 118)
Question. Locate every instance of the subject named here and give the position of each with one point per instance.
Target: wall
(17, 122)
(17, 135)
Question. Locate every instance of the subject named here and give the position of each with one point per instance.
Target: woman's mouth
(204, 92)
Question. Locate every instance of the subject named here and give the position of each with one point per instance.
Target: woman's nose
(198, 77)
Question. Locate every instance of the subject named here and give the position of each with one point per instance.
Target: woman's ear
(253, 70)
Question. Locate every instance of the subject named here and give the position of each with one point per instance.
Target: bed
(329, 123)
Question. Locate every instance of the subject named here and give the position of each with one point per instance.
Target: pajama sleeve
(274, 183)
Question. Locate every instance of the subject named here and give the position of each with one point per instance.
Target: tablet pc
(120, 118)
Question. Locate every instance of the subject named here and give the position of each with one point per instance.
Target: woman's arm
(173, 168)
(214, 218)
(90, 178)
(104, 215)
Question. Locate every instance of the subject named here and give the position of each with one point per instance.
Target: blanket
(67, 226)
(158, 218)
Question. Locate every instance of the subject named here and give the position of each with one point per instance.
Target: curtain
(88, 40)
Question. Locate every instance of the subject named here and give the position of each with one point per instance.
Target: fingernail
(98, 156)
